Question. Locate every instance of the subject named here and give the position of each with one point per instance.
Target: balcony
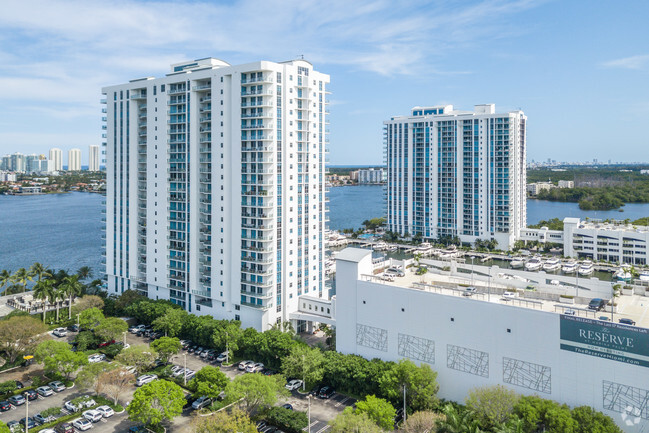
(202, 87)
(265, 78)
(251, 92)
(176, 90)
(138, 95)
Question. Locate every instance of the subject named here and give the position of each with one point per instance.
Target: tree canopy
(420, 383)
(156, 402)
(378, 410)
(255, 390)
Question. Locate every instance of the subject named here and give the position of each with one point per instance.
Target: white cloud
(634, 62)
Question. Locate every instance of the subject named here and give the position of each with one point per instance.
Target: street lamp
(472, 257)
(26, 413)
(185, 365)
(308, 399)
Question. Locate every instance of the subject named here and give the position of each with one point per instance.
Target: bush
(290, 421)
(7, 387)
(111, 351)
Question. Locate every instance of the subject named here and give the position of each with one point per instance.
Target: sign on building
(608, 340)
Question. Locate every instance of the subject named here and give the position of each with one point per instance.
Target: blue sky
(579, 70)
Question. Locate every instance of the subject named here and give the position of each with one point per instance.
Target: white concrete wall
(495, 332)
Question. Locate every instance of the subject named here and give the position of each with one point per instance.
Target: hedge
(291, 421)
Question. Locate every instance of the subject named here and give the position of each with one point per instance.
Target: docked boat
(552, 265)
(517, 262)
(424, 247)
(569, 267)
(534, 264)
(380, 246)
(586, 268)
(392, 248)
(644, 276)
(623, 274)
(485, 259)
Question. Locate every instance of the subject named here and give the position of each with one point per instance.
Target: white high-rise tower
(56, 160)
(93, 158)
(216, 188)
(74, 160)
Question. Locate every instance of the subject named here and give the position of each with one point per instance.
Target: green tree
(223, 422)
(44, 291)
(4, 428)
(591, 421)
(140, 357)
(171, 323)
(536, 412)
(22, 277)
(492, 405)
(156, 402)
(255, 390)
(71, 287)
(84, 273)
(88, 377)
(20, 335)
(350, 422)
(129, 297)
(57, 357)
(457, 421)
(166, 347)
(378, 410)
(110, 328)
(86, 340)
(227, 336)
(91, 318)
(304, 363)
(5, 278)
(39, 271)
(422, 421)
(420, 383)
(209, 381)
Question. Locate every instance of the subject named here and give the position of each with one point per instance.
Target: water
(61, 231)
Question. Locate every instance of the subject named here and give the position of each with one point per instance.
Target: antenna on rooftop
(300, 56)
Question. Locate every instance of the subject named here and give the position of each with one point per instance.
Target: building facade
(472, 342)
(93, 158)
(215, 188)
(56, 160)
(454, 173)
(370, 176)
(74, 160)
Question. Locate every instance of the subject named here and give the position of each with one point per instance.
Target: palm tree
(84, 273)
(21, 277)
(59, 296)
(5, 278)
(40, 271)
(71, 287)
(457, 421)
(60, 276)
(44, 290)
(514, 425)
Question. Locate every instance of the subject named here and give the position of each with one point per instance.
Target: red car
(108, 343)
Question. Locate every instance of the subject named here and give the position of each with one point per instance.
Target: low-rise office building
(471, 342)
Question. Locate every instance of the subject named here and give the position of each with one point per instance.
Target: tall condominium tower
(457, 174)
(215, 188)
(56, 160)
(74, 160)
(93, 158)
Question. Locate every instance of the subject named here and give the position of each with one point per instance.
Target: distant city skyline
(576, 80)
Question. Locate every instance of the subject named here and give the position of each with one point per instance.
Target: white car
(48, 430)
(254, 368)
(70, 407)
(60, 332)
(294, 384)
(222, 357)
(145, 378)
(106, 411)
(176, 369)
(82, 424)
(130, 369)
(137, 328)
(97, 357)
(244, 364)
(93, 415)
(508, 296)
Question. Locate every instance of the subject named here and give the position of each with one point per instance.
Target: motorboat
(517, 262)
(380, 246)
(644, 276)
(485, 259)
(552, 265)
(569, 267)
(623, 274)
(534, 264)
(586, 268)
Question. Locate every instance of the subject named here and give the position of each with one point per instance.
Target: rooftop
(612, 225)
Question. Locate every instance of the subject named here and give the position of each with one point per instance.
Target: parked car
(44, 391)
(138, 429)
(626, 321)
(71, 407)
(569, 312)
(19, 384)
(395, 271)
(28, 422)
(207, 353)
(469, 291)
(57, 386)
(597, 304)
(254, 368)
(48, 430)
(288, 406)
(326, 392)
(40, 419)
(97, 357)
(244, 364)
(5, 406)
(82, 424)
(105, 411)
(316, 390)
(189, 400)
(74, 328)
(14, 426)
(60, 332)
(507, 296)
(604, 318)
(145, 378)
(222, 357)
(293, 384)
(268, 372)
(64, 427)
(93, 415)
(17, 400)
(31, 395)
(136, 329)
(201, 402)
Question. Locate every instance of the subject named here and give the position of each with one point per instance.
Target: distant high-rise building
(457, 174)
(93, 158)
(56, 160)
(74, 160)
(216, 189)
(370, 176)
(5, 162)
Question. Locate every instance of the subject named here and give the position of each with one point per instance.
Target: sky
(578, 69)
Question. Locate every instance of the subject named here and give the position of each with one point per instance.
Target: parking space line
(325, 428)
(341, 402)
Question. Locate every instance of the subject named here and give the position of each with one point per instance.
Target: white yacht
(623, 274)
(586, 268)
(517, 262)
(644, 276)
(569, 267)
(534, 264)
(552, 265)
